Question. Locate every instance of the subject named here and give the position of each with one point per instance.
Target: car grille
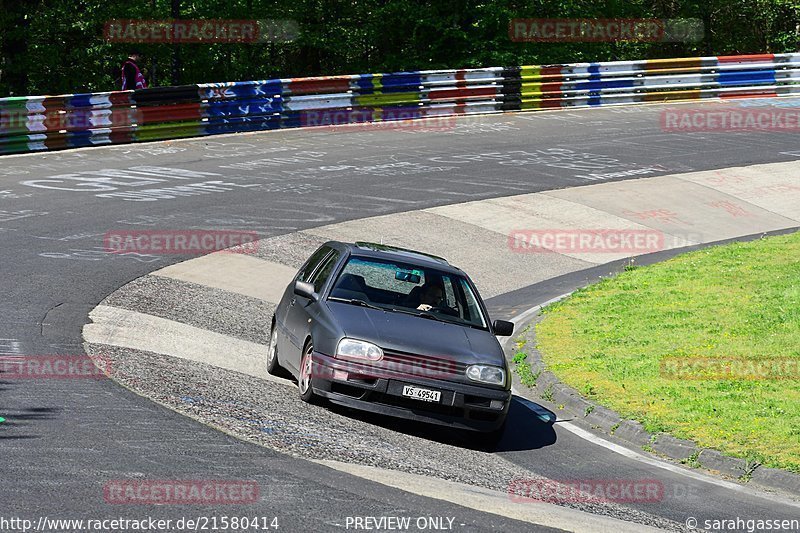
(422, 365)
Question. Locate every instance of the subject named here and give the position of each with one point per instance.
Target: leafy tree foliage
(57, 46)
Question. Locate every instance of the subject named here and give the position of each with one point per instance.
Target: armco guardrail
(74, 120)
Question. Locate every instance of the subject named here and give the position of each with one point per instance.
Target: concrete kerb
(569, 404)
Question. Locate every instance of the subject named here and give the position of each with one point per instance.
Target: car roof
(383, 251)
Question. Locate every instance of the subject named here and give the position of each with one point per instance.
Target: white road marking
(139, 331)
(249, 276)
(599, 441)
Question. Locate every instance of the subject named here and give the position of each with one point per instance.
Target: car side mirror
(503, 328)
(306, 290)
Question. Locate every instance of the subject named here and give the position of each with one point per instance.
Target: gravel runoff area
(272, 415)
(197, 305)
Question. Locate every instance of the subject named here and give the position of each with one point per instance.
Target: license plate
(426, 395)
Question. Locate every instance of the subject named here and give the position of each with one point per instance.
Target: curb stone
(773, 477)
(633, 431)
(569, 403)
(676, 448)
(604, 418)
(713, 460)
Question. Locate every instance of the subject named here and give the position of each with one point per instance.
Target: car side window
(324, 271)
(312, 263)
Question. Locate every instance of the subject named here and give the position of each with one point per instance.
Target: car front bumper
(463, 406)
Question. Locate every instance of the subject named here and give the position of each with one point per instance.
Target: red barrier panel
(322, 85)
(169, 113)
(753, 58)
(464, 93)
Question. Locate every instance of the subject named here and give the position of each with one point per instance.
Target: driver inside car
(430, 296)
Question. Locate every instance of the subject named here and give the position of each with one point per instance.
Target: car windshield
(407, 288)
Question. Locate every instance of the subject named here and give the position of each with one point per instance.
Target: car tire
(305, 378)
(273, 367)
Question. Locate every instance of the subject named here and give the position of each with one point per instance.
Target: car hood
(407, 333)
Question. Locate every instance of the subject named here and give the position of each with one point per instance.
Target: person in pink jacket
(132, 77)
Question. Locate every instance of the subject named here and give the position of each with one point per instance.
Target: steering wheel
(443, 309)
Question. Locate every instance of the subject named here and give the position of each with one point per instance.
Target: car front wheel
(272, 352)
(305, 380)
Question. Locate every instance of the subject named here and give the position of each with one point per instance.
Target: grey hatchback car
(396, 332)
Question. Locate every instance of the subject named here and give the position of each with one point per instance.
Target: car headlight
(359, 350)
(487, 374)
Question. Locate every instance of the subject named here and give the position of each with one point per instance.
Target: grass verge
(705, 346)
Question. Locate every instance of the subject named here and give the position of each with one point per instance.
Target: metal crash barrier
(36, 123)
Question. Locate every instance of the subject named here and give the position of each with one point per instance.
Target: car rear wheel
(304, 382)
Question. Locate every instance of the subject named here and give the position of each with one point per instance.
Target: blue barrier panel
(240, 89)
(259, 106)
(364, 84)
(602, 84)
(747, 77)
(80, 139)
(236, 124)
(80, 100)
(388, 83)
(290, 120)
(398, 83)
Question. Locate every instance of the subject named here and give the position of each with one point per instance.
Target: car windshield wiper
(356, 301)
(431, 316)
(422, 314)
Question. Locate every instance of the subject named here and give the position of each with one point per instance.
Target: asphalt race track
(65, 439)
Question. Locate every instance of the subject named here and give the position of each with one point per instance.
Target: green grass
(521, 366)
(740, 302)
